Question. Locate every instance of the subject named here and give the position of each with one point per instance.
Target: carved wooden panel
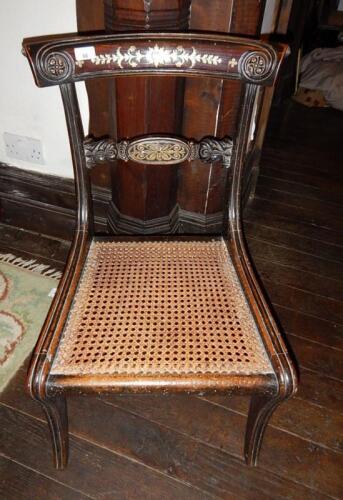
(185, 197)
(158, 150)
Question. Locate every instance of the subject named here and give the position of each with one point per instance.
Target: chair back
(65, 60)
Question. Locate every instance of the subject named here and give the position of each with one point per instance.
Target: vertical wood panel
(146, 105)
(90, 17)
(211, 106)
(247, 17)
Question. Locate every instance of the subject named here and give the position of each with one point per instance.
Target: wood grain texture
(157, 202)
(141, 191)
(21, 482)
(218, 101)
(97, 471)
(50, 202)
(90, 16)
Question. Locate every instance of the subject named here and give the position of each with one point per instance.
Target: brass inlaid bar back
(175, 313)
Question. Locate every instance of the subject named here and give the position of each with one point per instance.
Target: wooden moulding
(170, 384)
(56, 61)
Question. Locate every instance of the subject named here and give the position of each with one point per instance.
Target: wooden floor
(191, 447)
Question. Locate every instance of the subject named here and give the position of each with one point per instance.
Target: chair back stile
(239, 253)
(85, 219)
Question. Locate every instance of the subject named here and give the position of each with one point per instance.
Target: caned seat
(165, 308)
(160, 313)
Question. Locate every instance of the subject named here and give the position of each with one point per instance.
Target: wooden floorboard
(23, 483)
(311, 282)
(161, 433)
(28, 244)
(93, 468)
(309, 326)
(298, 242)
(321, 390)
(185, 447)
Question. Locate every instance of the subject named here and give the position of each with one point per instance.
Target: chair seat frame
(63, 61)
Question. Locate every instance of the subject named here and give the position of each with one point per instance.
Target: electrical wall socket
(23, 148)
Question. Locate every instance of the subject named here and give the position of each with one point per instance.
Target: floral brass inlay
(156, 56)
(164, 151)
(232, 62)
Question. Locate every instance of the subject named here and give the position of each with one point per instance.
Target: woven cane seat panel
(160, 308)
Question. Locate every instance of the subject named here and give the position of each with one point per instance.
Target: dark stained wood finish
(145, 201)
(90, 15)
(141, 192)
(32, 485)
(188, 447)
(219, 104)
(45, 203)
(255, 64)
(295, 22)
(56, 60)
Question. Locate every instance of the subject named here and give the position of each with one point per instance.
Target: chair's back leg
(55, 409)
(260, 410)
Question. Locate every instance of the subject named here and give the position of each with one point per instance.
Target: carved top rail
(158, 150)
(60, 59)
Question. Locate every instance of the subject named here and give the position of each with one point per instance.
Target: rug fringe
(30, 265)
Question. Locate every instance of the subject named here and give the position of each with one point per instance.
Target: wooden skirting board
(46, 203)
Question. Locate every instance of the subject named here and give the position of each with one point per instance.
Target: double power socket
(23, 148)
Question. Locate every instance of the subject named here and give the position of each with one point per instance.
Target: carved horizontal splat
(80, 58)
(153, 150)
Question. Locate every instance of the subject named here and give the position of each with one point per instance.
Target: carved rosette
(57, 66)
(255, 66)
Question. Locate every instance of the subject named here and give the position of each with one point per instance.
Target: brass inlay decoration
(232, 62)
(161, 151)
(156, 56)
(158, 150)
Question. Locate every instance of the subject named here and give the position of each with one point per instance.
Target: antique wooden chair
(172, 313)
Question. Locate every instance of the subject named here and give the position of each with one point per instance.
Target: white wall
(269, 16)
(24, 108)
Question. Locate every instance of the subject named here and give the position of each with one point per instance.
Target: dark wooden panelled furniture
(146, 199)
(172, 313)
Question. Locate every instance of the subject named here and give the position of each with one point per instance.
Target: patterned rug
(26, 291)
